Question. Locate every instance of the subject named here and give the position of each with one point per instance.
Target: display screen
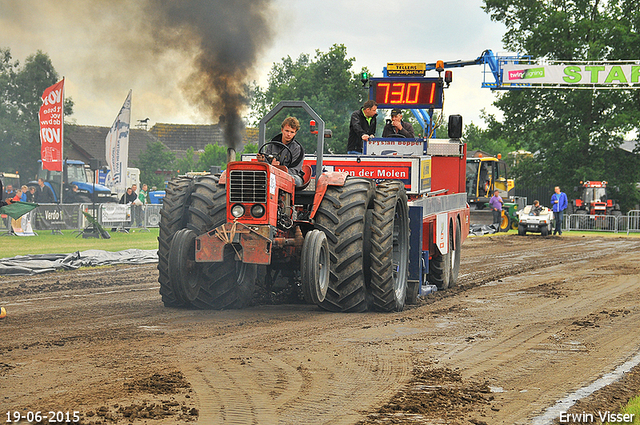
(413, 93)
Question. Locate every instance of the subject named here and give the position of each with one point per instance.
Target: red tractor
(594, 201)
(345, 238)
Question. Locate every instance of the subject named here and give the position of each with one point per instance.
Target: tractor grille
(248, 186)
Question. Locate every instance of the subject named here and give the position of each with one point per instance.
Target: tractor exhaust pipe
(231, 155)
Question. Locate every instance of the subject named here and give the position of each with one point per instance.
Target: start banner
(51, 117)
(572, 75)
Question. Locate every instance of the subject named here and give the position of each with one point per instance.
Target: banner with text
(568, 75)
(117, 148)
(51, 119)
(56, 217)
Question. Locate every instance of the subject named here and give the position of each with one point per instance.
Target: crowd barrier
(603, 223)
(56, 217)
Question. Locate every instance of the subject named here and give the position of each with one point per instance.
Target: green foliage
(478, 139)
(188, 163)
(212, 155)
(156, 164)
(574, 134)
(326, 83)
(21, 88)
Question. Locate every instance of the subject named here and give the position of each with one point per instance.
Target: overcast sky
(99, 69)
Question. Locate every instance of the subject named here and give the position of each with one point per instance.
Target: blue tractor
(75, 173)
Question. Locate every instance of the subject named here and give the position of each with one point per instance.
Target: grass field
(632, 408)
(68, 242)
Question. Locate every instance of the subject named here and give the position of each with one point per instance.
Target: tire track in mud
(273, 382)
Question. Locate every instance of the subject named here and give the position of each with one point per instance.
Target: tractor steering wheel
(276, 156)
(396, 135)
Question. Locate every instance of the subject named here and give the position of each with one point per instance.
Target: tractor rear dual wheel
(172, 218)
(445, 268)
(341, 216)
(389, 254)
(223, 285)
(191, 208)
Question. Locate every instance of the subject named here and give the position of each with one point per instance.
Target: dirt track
(533, 320)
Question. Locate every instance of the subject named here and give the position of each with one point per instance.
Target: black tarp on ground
(41, 263)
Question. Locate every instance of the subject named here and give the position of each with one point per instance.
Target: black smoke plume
(226, 38)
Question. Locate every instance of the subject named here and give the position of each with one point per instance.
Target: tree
(188, 163)
(213, 155)
(156, 164)
(21, 88)
(574, 134)
(326, 83)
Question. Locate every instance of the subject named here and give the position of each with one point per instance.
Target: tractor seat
(307, 177)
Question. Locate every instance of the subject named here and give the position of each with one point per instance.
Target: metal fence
(603, 223)
(115, 217)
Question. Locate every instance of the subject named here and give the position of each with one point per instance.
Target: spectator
(559, 203)
(31, 196)
(362, 127)
(3, 201)
(43, 193)
(139, 205)
(22, 195)
(9, 193)
(144, 194)
(496, 206)
(73, 195)
(128, 197)
(396, 126)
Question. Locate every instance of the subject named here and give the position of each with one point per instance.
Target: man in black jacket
(362, 126)
(288, 151)
(43, 193)
(398, 127)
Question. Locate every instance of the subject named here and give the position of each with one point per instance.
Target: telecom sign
(571, 75)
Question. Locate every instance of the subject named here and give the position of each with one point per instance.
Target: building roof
(180, 137)
(89, 142)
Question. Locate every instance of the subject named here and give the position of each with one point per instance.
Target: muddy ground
(532, 321)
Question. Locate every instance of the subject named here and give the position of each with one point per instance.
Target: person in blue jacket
(559, 203)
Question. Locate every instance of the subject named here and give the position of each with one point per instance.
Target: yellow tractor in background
(484, 175)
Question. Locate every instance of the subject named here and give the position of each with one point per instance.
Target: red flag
(51, 118)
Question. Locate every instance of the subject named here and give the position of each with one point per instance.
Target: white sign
(442, 233)
(567, 75)
(117, 148)
(398, 146)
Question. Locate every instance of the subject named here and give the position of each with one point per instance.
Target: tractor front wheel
(314, 267)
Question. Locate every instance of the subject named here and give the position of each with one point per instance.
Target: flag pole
(62, 145)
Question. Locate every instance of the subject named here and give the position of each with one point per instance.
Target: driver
(293, 157)
(396, 126)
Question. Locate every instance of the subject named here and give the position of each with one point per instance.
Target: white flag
(117, 148)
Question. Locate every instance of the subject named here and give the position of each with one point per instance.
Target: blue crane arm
(486, 58)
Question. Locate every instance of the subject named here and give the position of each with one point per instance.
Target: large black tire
(544, 231)
(314, 267)
(389, 247)
(522, 230)
(440, 269)
(341, 216)
(223, 285)
(173, 217)
(455, 248)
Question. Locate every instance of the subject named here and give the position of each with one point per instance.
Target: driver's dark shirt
(407, 130)
(285, 159)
